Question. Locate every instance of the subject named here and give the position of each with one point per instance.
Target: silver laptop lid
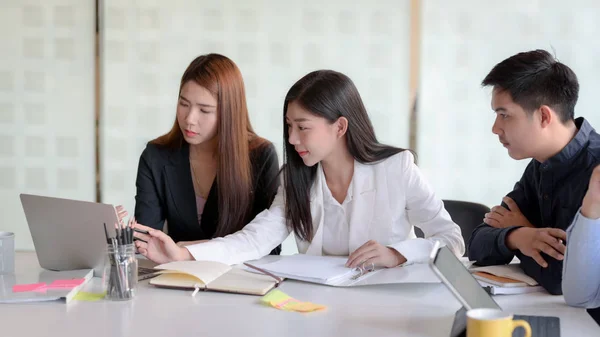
(68, 234)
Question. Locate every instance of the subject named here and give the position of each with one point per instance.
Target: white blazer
(391, 196)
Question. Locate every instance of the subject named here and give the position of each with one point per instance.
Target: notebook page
(205, 271)
(243, 282)
(311, 268)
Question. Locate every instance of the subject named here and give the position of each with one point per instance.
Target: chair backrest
(467, 216)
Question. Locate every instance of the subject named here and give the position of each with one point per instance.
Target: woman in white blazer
(343, 192)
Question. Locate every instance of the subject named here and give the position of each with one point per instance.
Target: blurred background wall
(85, 84)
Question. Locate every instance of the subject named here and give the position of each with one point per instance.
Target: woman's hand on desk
(377, 254)
(159, 247)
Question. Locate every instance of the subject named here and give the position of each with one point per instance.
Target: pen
(130, 229)
(119, 279)
(128, 232)
(118, 241)
(277, 278)
(141, 231)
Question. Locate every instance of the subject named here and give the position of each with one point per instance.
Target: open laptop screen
(460, 281)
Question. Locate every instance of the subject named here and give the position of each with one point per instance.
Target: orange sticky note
(20, 288)
(304, 306)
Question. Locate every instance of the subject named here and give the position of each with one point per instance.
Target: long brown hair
(235, 137)
(331, 95)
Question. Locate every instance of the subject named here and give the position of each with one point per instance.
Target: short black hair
(537, 78)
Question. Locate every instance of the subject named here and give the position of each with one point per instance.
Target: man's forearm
(487, 245)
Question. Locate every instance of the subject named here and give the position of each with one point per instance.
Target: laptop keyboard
(146, 273)
(541, 326)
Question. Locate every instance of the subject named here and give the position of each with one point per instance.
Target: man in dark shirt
(534, 99)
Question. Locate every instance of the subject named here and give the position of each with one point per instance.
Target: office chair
(467, 216)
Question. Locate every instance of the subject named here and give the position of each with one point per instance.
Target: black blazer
(165, 191)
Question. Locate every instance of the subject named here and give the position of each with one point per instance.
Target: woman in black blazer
(211, 174)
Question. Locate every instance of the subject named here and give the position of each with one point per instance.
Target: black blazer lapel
(181, 189)
(210, 215)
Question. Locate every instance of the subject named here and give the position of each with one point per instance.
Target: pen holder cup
(122, 272)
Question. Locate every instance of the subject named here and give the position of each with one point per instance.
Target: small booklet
(496, 290)
(498, 281)
(510, 275)
(505, 279)
(212, 276)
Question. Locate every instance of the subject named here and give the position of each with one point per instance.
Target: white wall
(461, 42)
(148, 45)
(47, 91)
(46, 105)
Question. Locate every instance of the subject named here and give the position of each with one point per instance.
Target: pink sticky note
(62, 284)
(19, 288)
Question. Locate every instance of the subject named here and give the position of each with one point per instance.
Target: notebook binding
(362, 270)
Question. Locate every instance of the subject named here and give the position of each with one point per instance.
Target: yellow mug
(493, 323)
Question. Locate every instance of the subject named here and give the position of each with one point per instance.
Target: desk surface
(382, 310)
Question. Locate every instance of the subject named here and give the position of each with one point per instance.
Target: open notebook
(212, 276)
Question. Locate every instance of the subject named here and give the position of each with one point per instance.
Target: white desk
(382, 310)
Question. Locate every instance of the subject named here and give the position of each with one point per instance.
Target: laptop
(471, 295)
(146, 269)
(68, 234)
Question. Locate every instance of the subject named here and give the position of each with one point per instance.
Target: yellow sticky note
(89, 297)
(276, 296)
(282, 301)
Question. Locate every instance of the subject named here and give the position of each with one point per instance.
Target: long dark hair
(221, 76)
(330, 95)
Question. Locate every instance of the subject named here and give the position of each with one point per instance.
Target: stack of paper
(316, 269)
(331, 270)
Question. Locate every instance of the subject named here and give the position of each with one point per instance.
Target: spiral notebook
(328, 270)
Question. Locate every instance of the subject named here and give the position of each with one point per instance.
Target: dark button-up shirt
(549, 194)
